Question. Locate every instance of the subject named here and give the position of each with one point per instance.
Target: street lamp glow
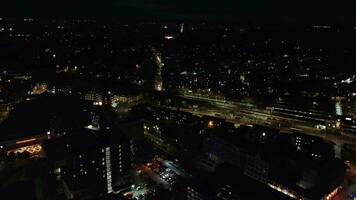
(210, 124)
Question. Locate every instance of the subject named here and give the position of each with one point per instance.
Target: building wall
(256, 168)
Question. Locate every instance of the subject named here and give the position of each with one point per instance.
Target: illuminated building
(90, 163)
(227, 183)
(158, 84)
(61, 90)
(122, 100)
(4, 110)
(31, 145)
(95, 97)
(113, 98)
(34, 149)
(315, 147)
(39, 88)
(270, 158)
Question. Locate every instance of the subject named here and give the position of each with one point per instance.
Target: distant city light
(28, 20)
(169, 37)
(210, 124)
(349, 80)
(237, 97)
(322, 27)
(181, 28)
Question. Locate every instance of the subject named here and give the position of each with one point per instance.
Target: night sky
(287, 11)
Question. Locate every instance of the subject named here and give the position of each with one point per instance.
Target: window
(108, 169)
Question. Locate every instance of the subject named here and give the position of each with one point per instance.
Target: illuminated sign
(25, 141)
(32, 149)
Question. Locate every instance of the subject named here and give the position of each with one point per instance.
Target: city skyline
(99, 103)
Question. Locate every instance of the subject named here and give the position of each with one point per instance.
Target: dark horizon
(302, 12)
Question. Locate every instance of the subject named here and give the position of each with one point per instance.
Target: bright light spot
(169, 37)
(349, 80)
(114, 104)
(210, 124)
